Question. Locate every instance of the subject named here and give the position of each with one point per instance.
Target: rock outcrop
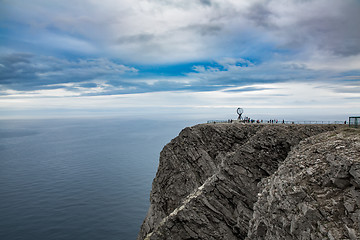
(315, 193)
(211, 176)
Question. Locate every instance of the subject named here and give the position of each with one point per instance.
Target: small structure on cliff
(354, 122)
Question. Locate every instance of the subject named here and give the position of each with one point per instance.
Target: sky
(292, 59)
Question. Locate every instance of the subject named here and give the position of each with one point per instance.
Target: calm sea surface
(78, 179)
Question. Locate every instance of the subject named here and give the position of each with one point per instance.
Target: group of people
(249, 120)
(275, 121)
(271, 121)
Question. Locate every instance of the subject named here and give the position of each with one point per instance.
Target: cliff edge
(214, 182)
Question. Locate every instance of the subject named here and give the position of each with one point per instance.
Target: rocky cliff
(315, 193)
(235, 181)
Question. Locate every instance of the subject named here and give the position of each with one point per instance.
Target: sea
(78, 178)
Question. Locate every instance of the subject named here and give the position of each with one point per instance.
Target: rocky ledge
(259, 181)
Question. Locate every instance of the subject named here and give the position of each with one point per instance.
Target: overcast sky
(294, 59)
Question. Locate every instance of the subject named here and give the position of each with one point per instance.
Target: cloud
(136, 39)
(163, 31)
(204, 29)
(242, 72)
(246, 89)
(23, 71)
(100, 76)
(231, 48)
(317, 24)
(206, 2)
(305, 101)
(260, 14)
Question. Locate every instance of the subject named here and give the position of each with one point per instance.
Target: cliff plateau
(255, 181)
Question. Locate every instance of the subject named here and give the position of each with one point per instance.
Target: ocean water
(78, 179)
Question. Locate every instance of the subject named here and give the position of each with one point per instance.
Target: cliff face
(315, 193)
(209, 178)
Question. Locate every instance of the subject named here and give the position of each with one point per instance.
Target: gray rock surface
(315, 193)
(208, 179)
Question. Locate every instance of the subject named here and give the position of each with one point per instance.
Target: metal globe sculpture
(240, 112)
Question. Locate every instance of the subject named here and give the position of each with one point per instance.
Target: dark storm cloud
(338, 34)
(16, 68)
(22, 71)
(17, 58)
(332, 27)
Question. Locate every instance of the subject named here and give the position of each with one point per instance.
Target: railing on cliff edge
(314, 122)
(218, 121)
(284, 122)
